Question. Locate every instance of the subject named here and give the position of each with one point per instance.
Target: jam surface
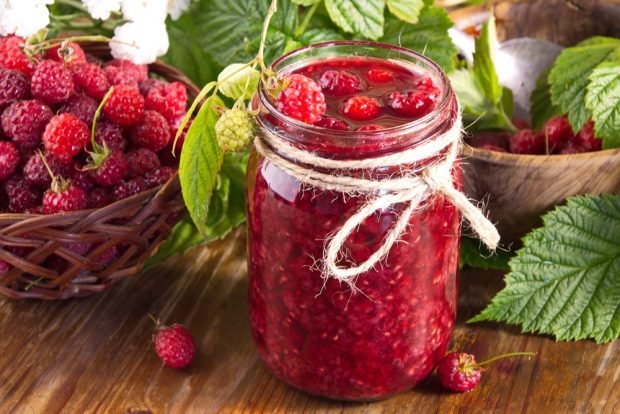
(322, 336)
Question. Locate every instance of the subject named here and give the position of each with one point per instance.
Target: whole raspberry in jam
(141, 161)
(340, 82)
(91, 80)
(152, 132)
(51, 82)
(175, 346)
(527, 141)
(413, 104)
(25, 121)
(9, 159)
(129, 188)
(125, 106)
(332, 123)
(65, 136)
(361, 108)
(459, 372)
(234, 130)
(586, 139)
(68, 53)
(64, 197)
(14, 86)
(302, 99)
(36, 173)
(22, 196)
(110, 134)
(159, 176)
(558, 132)
(168, 99)
(380, 75)
(111, 170)
(82, 107)
(12, 55)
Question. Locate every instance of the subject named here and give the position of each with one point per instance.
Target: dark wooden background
(94, 355)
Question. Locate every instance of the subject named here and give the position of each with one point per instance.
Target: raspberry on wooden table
(14, 86)
(91, 80)
(12, 55)
(51, 82)
(25, 121)
(459, 372)
(65, 136)
(302, 99)
(125, 106)
(152, 132)
(175, 346)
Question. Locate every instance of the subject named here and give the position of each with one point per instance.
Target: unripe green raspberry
(234, 130)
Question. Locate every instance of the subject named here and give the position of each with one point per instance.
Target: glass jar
(323, 336)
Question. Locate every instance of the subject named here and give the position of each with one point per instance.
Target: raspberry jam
(387, 334)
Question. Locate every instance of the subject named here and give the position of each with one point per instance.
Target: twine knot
(412, 187)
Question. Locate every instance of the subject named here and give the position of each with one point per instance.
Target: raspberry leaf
(474, 254)
(428, 36)
(571, 73)
(565, 281)
(602, 99)
(360, 17)
(542, 108)
(305, 2)
(238, 80)
(200, 163)
(406, 10)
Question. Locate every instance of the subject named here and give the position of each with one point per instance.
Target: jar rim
(412, 127)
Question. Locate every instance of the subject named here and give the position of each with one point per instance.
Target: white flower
(177, 7)
(153, 10)
(101, 9)
(140, 41)
(23, 17)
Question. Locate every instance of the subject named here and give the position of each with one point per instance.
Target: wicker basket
(134, 226)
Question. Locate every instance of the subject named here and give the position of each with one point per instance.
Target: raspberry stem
(273, 8)
(96, 117)
(513, 354)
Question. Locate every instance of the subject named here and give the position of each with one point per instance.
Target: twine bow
(413, 187)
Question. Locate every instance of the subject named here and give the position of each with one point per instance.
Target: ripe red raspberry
(12, 55)
(169, 100)
(146, 85)
(22, 197)
(98, 198)
(527, 141)
(51, 82)
(65, 136)
(9, 159)
(70, 54)
(112, 169)
(586, 139)
(138, 72)
(81, 178)
(379, 75)
(117, 76)
(559, 132)
(425, 83)
(340, 82)
(141, 161)
(332, 123)
(25, 121)
(91, 80)
(82, 107)
(152, 132)
(413, 104)
(459, 372)
(67, 197)
(521, 123)
(175, 346)
(36, 174)
(14, 86)
(125, 106)
(302, 99)
(361, 108)
(159, 177)
(111, 134)
(370, 127)
(129, 188)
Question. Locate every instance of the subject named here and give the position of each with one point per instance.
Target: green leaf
(361, 17)
(238, 80)
(542, 108)
(474, 254)
(565, 281)
(603, 99)
(571, 72)
(183, 237)
(484, 68)
(305, 3)
(406, 10)
(429, 36)
(200, 163)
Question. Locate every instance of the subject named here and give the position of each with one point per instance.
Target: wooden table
(94, 355)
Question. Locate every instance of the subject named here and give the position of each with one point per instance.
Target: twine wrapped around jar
(414, 187)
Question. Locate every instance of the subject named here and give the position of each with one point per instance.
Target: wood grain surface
(94, 355)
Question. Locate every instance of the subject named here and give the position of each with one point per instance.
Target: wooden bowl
(519, 188)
